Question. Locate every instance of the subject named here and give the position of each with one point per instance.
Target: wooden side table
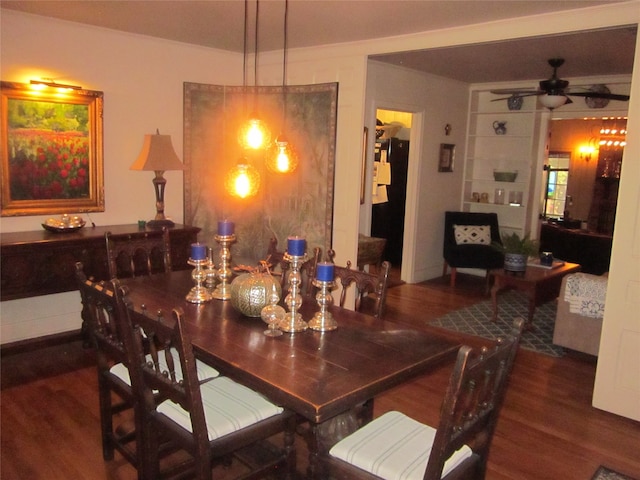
(539, 284)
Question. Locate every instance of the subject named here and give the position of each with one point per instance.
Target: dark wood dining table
(318, 375)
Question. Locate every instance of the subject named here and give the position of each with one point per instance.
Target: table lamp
(158, 155)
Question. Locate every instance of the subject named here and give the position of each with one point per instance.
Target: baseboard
(31, 344)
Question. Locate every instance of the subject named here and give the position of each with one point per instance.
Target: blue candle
(324, 272)
(296, 246)
(225, 228)
(198, 251)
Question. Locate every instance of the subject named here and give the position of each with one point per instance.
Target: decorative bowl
(64, 224)
(504, 176)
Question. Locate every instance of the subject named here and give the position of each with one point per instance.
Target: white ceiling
(219, 24)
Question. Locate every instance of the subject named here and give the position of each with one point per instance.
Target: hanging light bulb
(254, 134)
(281, 156)
(243, 180)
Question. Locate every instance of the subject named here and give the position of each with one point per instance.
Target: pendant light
(243, 180)
(254, 133)
(281, 156)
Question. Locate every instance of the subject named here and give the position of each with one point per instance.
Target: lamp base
(160, 224)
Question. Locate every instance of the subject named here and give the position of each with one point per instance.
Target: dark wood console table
(42, 262)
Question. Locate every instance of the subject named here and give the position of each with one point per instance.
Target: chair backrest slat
(133, 255)
(368, 287)
(100, 312)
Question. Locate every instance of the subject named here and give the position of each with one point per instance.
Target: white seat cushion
(228, 407)
(394, 447)
(204, 371)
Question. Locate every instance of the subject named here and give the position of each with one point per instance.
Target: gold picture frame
(52, 150)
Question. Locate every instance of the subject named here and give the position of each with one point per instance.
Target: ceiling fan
(555, 92)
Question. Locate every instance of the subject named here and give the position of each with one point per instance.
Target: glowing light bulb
(254, 134)
(281, 157)
(243, 181)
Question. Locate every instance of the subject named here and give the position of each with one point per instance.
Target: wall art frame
(447, 156)
(52, 150)
(299, 203)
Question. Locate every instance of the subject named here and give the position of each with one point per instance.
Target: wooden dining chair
(133, 255)
(396, 446)
(211, 419)
(276, 261)
(99, 311)
(370, 289)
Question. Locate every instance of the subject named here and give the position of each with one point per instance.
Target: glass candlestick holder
(199, 293)
(292, 321)
(272, 314)
(323, 320)
(223, 290)
(210, 270)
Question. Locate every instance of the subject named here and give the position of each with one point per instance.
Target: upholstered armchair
(467, 242)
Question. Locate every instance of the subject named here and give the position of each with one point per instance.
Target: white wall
(440, 101)
(142, 80)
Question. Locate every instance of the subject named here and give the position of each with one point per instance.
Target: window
(557, 178)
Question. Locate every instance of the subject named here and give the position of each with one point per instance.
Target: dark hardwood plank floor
(548, 428)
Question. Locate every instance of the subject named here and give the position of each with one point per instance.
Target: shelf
(490, 204)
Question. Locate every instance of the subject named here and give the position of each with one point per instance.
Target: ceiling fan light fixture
(552, 101)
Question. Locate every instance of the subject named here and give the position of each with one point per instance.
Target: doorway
(389, 192)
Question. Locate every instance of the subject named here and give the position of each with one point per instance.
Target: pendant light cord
(255, 62)
(244, 46)
(284, 66)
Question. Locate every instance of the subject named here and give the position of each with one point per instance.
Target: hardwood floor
(548, 428)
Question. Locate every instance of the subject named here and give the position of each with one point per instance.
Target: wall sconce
(586, 151)
(159, 156)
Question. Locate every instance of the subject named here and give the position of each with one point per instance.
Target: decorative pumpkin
(251, 292)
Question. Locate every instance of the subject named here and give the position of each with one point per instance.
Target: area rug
(476, 320)
(604, 473)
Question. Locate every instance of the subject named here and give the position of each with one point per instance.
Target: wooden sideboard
(42, 262)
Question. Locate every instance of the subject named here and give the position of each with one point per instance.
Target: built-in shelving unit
(515, 150)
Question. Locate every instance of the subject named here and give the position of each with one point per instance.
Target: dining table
(322, 376)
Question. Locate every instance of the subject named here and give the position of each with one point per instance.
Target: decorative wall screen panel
(298, 203)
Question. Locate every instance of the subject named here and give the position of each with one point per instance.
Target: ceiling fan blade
(514, 91)
(608, 96)
(519, 95)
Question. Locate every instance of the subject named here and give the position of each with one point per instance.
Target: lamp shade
(157, 155)
(552, 101)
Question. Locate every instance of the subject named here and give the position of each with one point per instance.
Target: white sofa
(580, 311)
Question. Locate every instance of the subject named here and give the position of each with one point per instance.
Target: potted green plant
(517, 251)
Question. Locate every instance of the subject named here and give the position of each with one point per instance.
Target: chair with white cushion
(210, 420)
(104, 314)
(394, 446)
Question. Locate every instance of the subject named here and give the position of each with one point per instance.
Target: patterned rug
(604, 473)
(476, 320)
